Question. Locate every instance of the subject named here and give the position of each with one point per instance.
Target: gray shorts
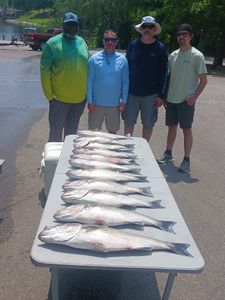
(144, 104)
(181, 113)
(110, 114)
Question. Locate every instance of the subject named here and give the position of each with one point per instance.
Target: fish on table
(106, 186)
(111, 159)
(102, 134)
(103, 140)
(95, 164)
(106, 239)
(104, 152)
(96, 146)
(108, 199)
(108, 216)
(103, 174)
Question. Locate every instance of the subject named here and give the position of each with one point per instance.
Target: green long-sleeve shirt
(63, 68)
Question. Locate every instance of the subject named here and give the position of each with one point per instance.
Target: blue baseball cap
(70, 17)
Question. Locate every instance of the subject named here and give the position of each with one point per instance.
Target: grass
(42, 18)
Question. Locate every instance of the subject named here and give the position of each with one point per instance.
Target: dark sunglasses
(149, 26)
(184, 33)
(110, 40)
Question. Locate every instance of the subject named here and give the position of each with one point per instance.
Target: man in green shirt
(188, 78)
(64, 67)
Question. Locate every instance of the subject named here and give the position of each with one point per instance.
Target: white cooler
(50, 158)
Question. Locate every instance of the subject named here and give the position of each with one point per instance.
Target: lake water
(8, 30)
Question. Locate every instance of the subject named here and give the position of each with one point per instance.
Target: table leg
(169, 285)
(55, 283)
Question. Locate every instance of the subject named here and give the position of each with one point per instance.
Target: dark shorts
(181, 113)
(144, 104)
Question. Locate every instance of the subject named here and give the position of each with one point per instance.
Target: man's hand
(122, 107)
(190, 101)
(158, 102)
(91, 107)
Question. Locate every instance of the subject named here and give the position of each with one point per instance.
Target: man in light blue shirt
(108, 81)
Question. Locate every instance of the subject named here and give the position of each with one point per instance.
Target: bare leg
(147, 133)
(188, 141)
(171, 137)
(128, 130)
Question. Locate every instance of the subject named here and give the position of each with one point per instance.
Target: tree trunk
(220, 54)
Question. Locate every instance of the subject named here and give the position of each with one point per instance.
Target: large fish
(102, 134)
(104, 175)
(102, 140)
(105, 186)
(111, 159)
(105, 239)
(108, 199)
(127, 155)
(94, 164)
(108, 216)
(96, 146)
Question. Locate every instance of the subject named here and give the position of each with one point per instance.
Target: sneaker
(184, 166)
(165, 158)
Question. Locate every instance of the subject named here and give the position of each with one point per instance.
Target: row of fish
(95, 192)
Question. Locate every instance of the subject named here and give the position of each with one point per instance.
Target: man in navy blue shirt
(148, 72)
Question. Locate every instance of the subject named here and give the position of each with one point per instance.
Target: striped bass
(111, 159)
(108, 216)
(108, 199)
(94, 164)
(111, 147)
(102, 152)
(102, 140)
(105, 186)
(105, 239)
(104, 175)
(102, 134)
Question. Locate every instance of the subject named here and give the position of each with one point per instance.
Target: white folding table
(57, 256)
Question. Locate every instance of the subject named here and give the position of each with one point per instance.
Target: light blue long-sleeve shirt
(108, 79)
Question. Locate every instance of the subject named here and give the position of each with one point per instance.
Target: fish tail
(135, 171)
(166, 225)
(142, 178)
(131, 146)
(133, 162)
(156, 204)
(146, 191)
(180, 248)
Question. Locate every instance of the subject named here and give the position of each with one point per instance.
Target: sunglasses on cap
(149, 26)
(110, 40)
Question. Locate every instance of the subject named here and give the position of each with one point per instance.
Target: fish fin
(146, 191)
(180, 248)
(167, 226)
(99, 247)
(156, 204)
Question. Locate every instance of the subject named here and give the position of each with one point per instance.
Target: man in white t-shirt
(188, 78)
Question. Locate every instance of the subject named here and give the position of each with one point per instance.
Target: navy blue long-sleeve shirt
(148, 68)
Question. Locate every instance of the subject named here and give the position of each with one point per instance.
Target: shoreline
(23, 23)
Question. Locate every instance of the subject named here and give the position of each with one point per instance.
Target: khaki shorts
(110, 114)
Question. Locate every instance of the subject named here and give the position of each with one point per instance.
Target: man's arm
(163, 69)
(45, 71)
(91, 75)
(200, 88)
(124, 84)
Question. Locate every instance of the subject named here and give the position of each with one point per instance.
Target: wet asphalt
(199, 195)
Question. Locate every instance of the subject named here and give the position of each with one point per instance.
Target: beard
(70, 33)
